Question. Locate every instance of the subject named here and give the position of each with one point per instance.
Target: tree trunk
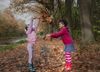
(68, 11)
(85, 20)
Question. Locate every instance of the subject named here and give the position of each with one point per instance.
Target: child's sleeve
(35, 24)
(29, 27)
(58, 34)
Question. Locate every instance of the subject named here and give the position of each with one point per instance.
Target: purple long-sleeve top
(31, 31)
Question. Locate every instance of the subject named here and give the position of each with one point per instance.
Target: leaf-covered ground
(49, 57)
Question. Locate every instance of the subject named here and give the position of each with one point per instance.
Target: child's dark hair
(26, 27)
(63, 21)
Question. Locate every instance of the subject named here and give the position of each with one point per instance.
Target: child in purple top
(31, 39)
(67, 40)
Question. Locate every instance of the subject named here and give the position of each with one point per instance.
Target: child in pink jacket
(31, 39)
(67, 40)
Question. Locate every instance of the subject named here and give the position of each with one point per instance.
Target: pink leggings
(68, 57)
(30, 52)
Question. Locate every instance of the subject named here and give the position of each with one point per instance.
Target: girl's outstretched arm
(30, 27)
(35, 24)
(58, 34)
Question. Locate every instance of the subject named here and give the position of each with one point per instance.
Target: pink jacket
(64, 34)
(31, 33)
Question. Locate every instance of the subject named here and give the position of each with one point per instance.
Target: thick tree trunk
(68, 10)
(85, 20)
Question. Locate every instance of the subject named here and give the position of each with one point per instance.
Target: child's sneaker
(68, 66)
(31, 68)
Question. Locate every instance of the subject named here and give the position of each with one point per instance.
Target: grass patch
(21, 41)
(7, 47)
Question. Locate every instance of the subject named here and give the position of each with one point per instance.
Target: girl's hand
(48, 37)
(32, 19)
(25, 30)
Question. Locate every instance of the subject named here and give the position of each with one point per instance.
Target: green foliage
(76, 34)
(75, 17)
(7, 47)
(40, 33)
(21, 41)
(96, 18)
(96, 30)
(60, 11)
(75, 27)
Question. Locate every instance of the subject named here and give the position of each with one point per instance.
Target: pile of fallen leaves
(49, 57)
(89, 58)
